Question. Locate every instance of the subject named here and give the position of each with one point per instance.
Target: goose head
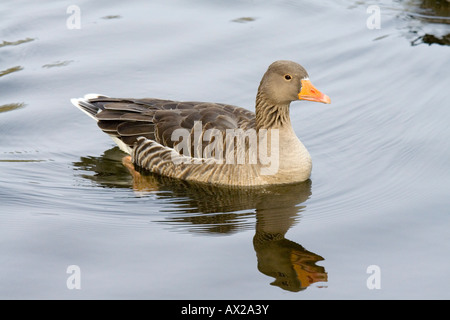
(287, 81)
(283, 82)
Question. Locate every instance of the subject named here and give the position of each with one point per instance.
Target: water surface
(378, 193)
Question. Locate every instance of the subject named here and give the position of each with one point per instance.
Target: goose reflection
(209, 209)
(293, 267)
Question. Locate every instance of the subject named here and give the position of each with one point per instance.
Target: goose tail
(86, 106)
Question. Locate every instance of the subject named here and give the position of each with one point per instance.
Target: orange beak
(310, 93)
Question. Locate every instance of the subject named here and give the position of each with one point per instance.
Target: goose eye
(287, 77)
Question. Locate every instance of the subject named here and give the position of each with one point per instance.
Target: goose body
(212, 142)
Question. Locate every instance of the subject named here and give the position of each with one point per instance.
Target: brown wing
(155, 119)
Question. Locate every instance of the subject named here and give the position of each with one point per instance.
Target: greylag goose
(214, 143)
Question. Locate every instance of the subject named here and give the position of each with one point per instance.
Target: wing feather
(126, 120)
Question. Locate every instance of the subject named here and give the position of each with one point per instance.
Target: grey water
(372, 222)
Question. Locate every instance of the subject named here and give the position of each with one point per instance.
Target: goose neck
(270, 115)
